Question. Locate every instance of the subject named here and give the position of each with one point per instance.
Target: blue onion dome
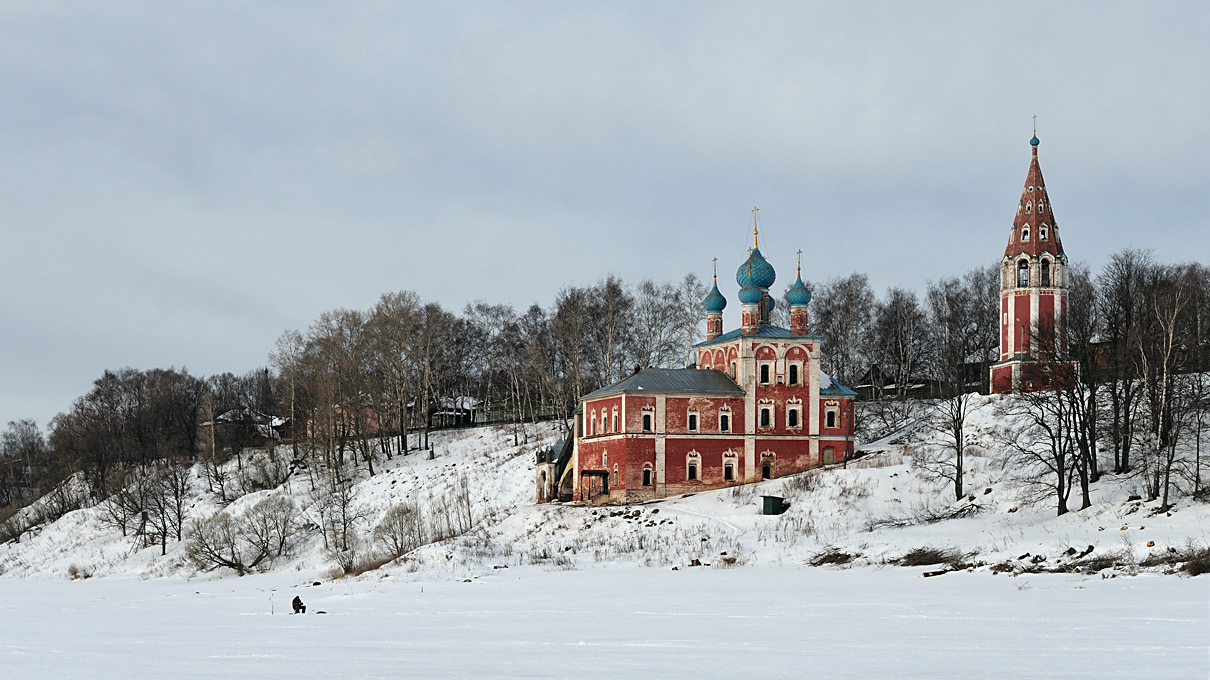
(714, 302)
(749, 294)
(762, 272)
(798, 295)
(1034, 141)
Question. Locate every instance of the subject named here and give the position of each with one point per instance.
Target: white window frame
(730, 461)
(725, 411)
(694, 459)
(761, 411)
(796, 408)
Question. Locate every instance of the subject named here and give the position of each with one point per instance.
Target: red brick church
(1033, 292)
(755, 406)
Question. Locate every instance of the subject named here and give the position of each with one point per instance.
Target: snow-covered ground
(571, 591)
(840, 517)
(864, 622)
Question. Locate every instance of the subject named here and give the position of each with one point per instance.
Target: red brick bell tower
(1033, 292)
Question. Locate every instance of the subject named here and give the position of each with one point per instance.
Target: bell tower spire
(1033, 288)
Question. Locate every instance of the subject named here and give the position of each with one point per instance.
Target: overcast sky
(179, 184)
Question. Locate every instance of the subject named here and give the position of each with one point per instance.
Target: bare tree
(901, 338)
(953, 308)
(1119, 292)
(841, 312)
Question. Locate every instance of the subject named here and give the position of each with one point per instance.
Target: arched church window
(1023, 274)
(647, 422)
(1042, 233)
(1024, 234)
(1045, 272)
(1028, 206)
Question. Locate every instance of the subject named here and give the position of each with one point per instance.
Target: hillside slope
(879, 510)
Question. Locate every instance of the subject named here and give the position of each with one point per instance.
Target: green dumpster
(773, 505)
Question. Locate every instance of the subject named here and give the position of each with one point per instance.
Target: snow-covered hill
(882, 509)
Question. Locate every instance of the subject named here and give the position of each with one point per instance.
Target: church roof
(757, 270)
(1034, 211)
(684, 380)
(714, 302)
(830, 388)
(798, 294)
(764, 331)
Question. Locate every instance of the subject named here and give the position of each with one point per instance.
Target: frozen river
(617, 623)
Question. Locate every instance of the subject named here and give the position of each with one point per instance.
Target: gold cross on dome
(755, 215)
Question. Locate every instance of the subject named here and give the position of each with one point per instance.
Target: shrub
(264, 533)
(831, 556)
(921, 557)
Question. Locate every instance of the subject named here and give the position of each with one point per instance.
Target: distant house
(251, 427)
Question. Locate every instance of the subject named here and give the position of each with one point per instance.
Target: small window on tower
(1024, 233)
(1042, 233)
(1023, 274)
(1045, 272)
(1028, 206)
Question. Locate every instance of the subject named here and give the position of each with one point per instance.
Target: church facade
(1033, 292)
(755, 406)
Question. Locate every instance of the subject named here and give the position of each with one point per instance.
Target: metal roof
(830, 388)
(764, 331)
(681, 380)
